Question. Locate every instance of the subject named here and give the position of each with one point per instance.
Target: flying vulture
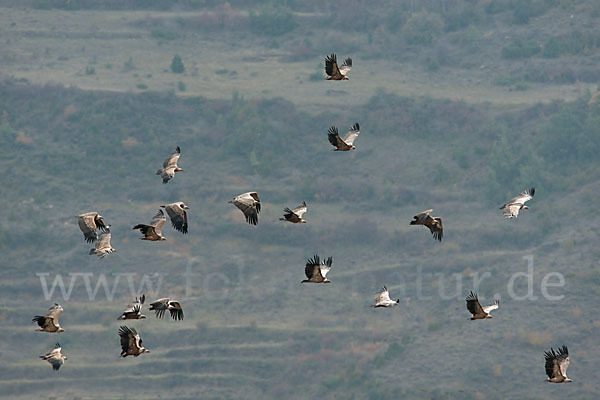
(131, 343)
(316, 271)
(335, 73)
(161, 305)
(49, 322)
(176, 212)
(295, 215)
(134, 311)
(345, 144)
(433, 223)
(54, 357)
(477, 310)
(89, 223)
(167, 172)
(103, 247)
(557, 364)
(249, 204)
(512, 208)
(153, 231)
(382, 299)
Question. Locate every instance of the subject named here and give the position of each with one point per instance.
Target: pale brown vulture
(316, 271)
(153, 231)
(433, 223)
(382, 299)
(477, 310)
(178, 216)
(249, 204)
(89, 223)
(131, 343)
(103, 246)
(295, 215)
(54, 357)
(345, 144)
(517, 203)
(162, 305)
(134, 311)
(49, 322)
(335, 73)
(557, 364)
(167, 172)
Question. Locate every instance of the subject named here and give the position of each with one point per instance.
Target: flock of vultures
(96, 231)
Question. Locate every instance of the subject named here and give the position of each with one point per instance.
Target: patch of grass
(141, 86)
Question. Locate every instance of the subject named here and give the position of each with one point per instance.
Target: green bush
(272, 21)
(520, 48)
(177, 66)
(181, 86)
(422, 28)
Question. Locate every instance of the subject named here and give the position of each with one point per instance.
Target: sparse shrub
(520, 48)
(181, 86)
(163, 34)
(128, 65)
(90, 70)
(272, 21)
(177, 66)
(422, 28)
(142, 86)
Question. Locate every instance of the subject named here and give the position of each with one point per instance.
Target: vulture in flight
(89, 223)
(153, 231)
(433, 223)
(517, 203)
(557, 363)
(167, 172)
(176, 212)
(131, 343)
(161, 305)
(295, 215)
(103, 247)
(49, 322)
(477, 310)
(382, 299)
(335, 73)
(316, 271)
(249, 204)
(345, 144)
(134, 311)
(54, 357)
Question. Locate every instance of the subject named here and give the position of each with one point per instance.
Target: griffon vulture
(131, 343)
(477, 310)
(557, 364)
(382, 299)
(167, 172)
(345, 144)
(89, 223)
(178, 216)
(54, 357)
(134, 311)
(316, 271)
(517, 203)
(295, 215)
(49, 322)
(153, 231)
(249, 204)
(162, 305)
(103, 247)
(335, 73)
(433, 223)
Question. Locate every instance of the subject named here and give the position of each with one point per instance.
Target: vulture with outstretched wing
(517, 203)
(477, 310)
(55, 357)
(557, 363)
(49, 322)
(134, 311)
(295, 215)
(335, 73)
(153, 231)
(382, 299)
(249, 204)
(102, 247)
(131, 343)
(178, 216)
(167, 172)
(433, 223)
(166, 304)
(347, 143)
(89, 223)
(316, 271)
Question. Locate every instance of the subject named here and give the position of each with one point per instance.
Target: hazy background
(462, 104)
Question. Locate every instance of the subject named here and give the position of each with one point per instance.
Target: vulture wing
(178, 217)
(334, 137)
(352, 134)
(331, 67)
(87, 224)
(326, 266)
(435, 227)
(492, 307)
(249, 204)
(345, 68)
(300, 210)
(473, 304)
(175, 310)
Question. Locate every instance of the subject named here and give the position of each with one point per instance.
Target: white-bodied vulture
(153, 231)
(345, 144)
(162, 305)
(167, 172)
(89, 223)
(557, 363)
(249, 204)
(335, 73)
(54, 357)
(517, 203)
(131, 343)
(316, 271)
(433, 223)
(134, 311)
(382, 299)
(178, 216)
(49, 322)
(295, 215)
(103, 247)
(477, 310)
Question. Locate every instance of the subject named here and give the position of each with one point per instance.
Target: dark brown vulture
(433, 223)
(167, 172)
(335, 73)
(295, 215)
(557, 364)
(131, 343)
(153, 231)
(54, 357)
(477, 310)
(178, 216)
(249, 204)
(517, 203)
(89, 223)
(345, 144)
(316, 271)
